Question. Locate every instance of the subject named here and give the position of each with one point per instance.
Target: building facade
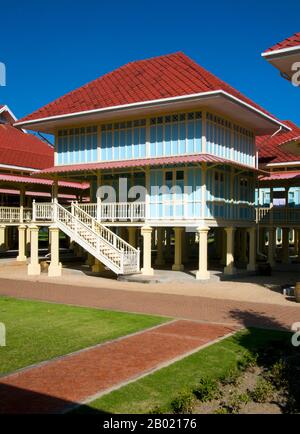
(170, 153)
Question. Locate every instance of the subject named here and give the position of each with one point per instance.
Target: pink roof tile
(6, 177)
(124, 164)
(274, 176)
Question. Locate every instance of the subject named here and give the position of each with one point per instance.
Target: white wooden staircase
(94, 237)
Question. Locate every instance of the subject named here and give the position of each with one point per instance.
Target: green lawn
(161, 387)
(37, 331)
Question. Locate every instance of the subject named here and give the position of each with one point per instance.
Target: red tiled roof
(280, 176)
(6, 177)
(292, 41)
(269, 148)
(21, 149)
(124, 164)
(144, 80)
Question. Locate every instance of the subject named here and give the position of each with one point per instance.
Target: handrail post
(33, 211)
(122, 261)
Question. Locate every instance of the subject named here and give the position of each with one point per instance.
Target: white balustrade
(278, 215)
(115, 211)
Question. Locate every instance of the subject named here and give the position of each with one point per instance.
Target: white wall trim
(28, 169)
(281, 51)
(287, 163)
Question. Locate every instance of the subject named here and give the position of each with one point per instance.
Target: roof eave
(151, 105)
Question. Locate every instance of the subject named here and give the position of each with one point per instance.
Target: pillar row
(160, 260)
(98, 267)
(285, 245)
(229, 268)
(252, 249)
(178, 266)
(271, 247)
(22, 243)
(2, 238)
(132, 236)
(202, 272)
(34, 267)
(146, 232)
(55, 267)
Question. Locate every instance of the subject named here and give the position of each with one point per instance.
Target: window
(169, 176)
(179, 175)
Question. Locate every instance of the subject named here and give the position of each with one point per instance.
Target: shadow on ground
(14, 400)
(276, 354)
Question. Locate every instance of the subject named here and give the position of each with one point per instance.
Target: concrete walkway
(58, 385)
(223, 311)
(257, 289)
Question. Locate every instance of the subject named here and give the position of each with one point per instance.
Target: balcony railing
(10, 214)
(278, 215)
(116, 211)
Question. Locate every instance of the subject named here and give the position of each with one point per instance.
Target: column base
(251, 267)
(159, 262)
(21, 258)
(34, 270)
(98, 267)
(55, 270)
(229, 270)
(147, 271)
(202, 275)
(177, 267)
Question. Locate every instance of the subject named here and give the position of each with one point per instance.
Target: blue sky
(52, 47)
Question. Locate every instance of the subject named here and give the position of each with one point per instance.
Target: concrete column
(27, 247)
(285, 245)
(34, 267)
(298, 244)
(90, 260)
(224, 247)
(55, 191)
(2, 238)
(252, 249)
(160, 260)
(229, 269)
(271, 247)
(202, 272)
(98, 267)
(184, 247)
(22, 240)
(178, 266)
(218, 242)
(132, 236)
(168, 243)
(122, 232)
(55, 266)
(262, 244)
(146, 232)
(243, 246)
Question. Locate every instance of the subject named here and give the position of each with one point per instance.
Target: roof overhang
(220, 101)
(292, 146)
(284, 60)
(35, 194)
(280, 179)
(44, 184)
(81, 170)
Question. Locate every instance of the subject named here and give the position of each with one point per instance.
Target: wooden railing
(9, 214)
(278, 215)
(115, 211)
